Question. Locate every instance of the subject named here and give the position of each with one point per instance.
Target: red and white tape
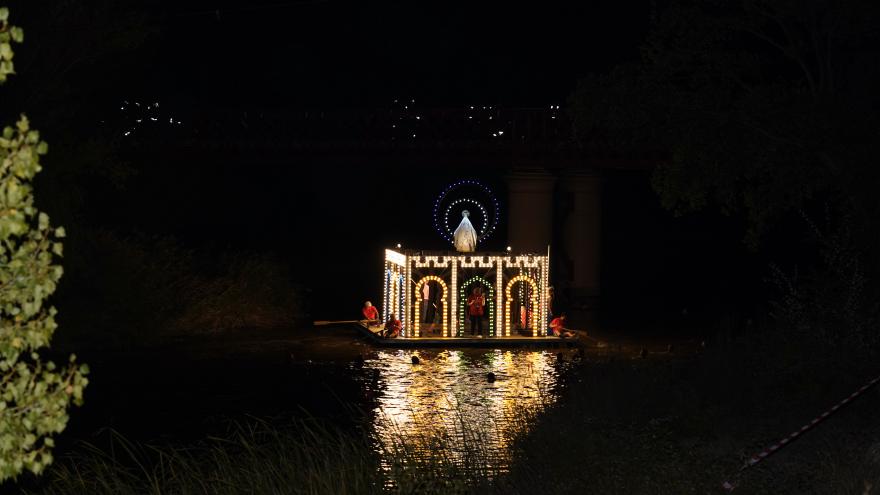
(731, 485)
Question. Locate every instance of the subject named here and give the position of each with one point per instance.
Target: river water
(447, 405)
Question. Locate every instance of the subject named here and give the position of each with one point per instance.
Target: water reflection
(447, 402)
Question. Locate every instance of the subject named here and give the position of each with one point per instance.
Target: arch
(443, 298)
(534, 302)
(490, 301)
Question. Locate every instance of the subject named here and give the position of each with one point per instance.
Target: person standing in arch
(476, 307)
(465, 236)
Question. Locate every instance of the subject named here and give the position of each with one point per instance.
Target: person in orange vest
(557, 327)
(370, 312)
(476, 305)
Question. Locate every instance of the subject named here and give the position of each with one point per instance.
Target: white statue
(465, 237)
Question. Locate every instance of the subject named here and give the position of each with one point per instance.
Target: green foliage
(8, 35)
(829, 310)
(141, 290)
(35, 395)
(757, 106)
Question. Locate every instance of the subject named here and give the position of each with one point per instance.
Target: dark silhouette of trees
(763, 107)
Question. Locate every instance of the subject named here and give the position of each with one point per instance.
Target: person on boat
(476, 307)
(550, 297)
(436, 322)
(392, 327)
(524, 315)
(557, 327)
(370, 312)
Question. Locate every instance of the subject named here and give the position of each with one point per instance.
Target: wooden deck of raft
(435, 341)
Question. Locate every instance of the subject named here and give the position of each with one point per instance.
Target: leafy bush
(34, 394)
(137, 289)
(829, 312)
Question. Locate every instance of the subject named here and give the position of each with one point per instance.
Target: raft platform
(372, 334)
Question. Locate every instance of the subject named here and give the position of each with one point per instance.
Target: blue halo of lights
(452, 199)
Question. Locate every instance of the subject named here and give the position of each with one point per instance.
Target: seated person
(370, 312)
(557, 327)
(392, 328)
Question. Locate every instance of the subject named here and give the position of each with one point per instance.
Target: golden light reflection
(447, 402)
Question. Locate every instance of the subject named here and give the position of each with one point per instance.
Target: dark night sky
(327, 53)
(282, 55)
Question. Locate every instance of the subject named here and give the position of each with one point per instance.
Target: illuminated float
(428, 291)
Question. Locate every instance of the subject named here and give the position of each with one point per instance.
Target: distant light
(405, 107)
(398, 245)
(153, 119)
(171, 120)
(418, 118)
(509, 249)
(472, 107)
(393, 125)
(414, 135)
(470, 116)
(494, 134)
(500, 132)
(127, 133)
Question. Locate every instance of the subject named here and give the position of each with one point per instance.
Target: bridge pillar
(581, 235)
(530, 201)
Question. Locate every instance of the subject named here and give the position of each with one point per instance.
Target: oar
(321, 323)
(583, 333)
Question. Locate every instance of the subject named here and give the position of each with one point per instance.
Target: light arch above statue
(466, 200)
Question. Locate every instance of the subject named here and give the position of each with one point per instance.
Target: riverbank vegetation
(128, 291)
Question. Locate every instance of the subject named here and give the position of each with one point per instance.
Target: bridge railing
(505, 126)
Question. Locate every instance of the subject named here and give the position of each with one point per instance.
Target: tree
(764, 107)
(35, 394)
